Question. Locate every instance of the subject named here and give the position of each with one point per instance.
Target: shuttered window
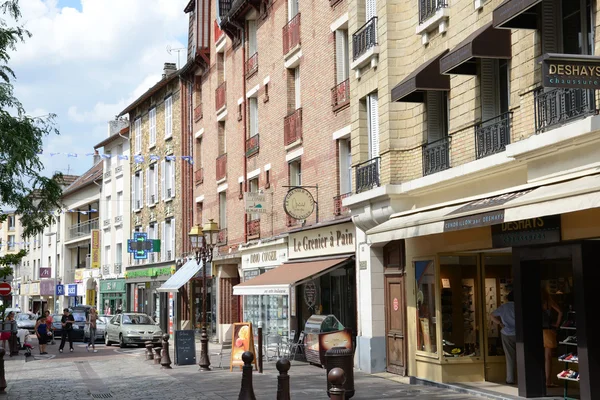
(490, 91)
(437, 115)
(373, 121)
(342, 66)
(252, 46)
(371, 9)
(551, 26)
(168, 117)
(138, 135)
(297, 88)
(293, 8)
(152, 117)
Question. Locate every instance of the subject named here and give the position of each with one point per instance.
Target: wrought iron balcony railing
(252, 145)
(364, 38)
(221, 167)
(428, 8)
(83, 229)
(340, 95)
(253, 228)
(493, 135)
(291, 34)
(224, 8)
(198, 113)
(367, 175)
(560, 106)
(338, 209)
(436, 156)
(221, 96)
(292, 127)
(252, 65)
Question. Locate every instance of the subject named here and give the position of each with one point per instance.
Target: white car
(132, 328)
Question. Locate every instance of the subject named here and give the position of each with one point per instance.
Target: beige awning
(280, 279)
(559, 198)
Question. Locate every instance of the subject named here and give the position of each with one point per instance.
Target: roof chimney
(169, 69)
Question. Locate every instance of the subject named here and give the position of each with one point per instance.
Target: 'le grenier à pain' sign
(572, 71)
(333, 239)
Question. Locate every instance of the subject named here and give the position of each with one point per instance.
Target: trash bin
(341, 357)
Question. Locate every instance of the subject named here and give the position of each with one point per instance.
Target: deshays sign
(571, 71)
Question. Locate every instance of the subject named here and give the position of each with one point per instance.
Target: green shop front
(143, 295)
(113, 296)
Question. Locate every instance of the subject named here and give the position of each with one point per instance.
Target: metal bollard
(149, 354)
(157, 357)
(247, 391)
(13, 344)
(283, 380)
(343, 358)
(337, 378)
(165, 359)
(2, 372)
(260, 347)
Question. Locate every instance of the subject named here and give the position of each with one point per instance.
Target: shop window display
(426, 320)
(459, 295)
(271, 310)
(498, 284)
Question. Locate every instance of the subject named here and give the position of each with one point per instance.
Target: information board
(185, 347)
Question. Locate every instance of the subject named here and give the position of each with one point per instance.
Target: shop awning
(181, 277)
(486, 42)
(280, 279)
(558, 198)
(516, 14)
(427, 77)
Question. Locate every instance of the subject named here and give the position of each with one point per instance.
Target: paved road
(125, 374)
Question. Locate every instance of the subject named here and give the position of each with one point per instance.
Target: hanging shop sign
(310, 294)
(95, 248)
(571, 71)
(150, 272)
(140, 246)
(329, 240)
(72, 290)
(45, 272)
(298, 203)
(527, 232)
(256, 203)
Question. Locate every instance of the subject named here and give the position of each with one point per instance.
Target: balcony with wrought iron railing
(560, 106)
(493, 135)
(82, 229)
(221, 167)
(224, 7)
(253, 228)
(367, 175)
(292, 127)
(221, 96)
(340, 95)
(436, 156)
(199, 176)
(222, 237)
(364, 38)
(251, 65)
(338, 208)
(291, 34)
(198, 112)
(428, 8)
(252, 145)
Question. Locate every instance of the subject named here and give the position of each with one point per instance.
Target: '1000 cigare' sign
(571, 71)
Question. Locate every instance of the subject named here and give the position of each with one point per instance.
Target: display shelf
(569, 327)
(568, 361)
(568, 343)
(568, 379)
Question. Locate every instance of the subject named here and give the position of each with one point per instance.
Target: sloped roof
(124, 131)
(161, 84)
(190, 6)
(90, 176)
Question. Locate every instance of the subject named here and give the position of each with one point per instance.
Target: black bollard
(149, 354)
(283, 380)
(157, 357)
(247, 391)
(13, 344)
(337, 378)
(260, 348)
(165, 359)
(2, 372)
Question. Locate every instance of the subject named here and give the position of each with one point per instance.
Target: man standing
(505, 317)
(67, 325)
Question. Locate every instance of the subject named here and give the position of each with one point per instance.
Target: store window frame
(421, 355)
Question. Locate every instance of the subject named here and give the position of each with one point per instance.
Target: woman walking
(49, 322)
(92, 318)
(41, 331)
(5, 336)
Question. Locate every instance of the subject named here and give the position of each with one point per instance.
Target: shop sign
(60, 290)
(253, 273)
(79, 274)
(24, 290)
(474, 221)
(571, 71)
(310, 294)
(527, 232)
(396, 304)
(112, 286)
(45, 272)
(47, 287)
(72, 290)
(334, 239)
(34, 289)
(95, 248)
(299, 203)
(256, 203)
(150, 272)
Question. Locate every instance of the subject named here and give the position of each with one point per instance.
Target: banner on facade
(47, 287)
(95, 248)
(45, 272)
(256, 203)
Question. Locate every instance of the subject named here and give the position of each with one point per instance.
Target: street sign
(5, 289)
(60, 290)
(72, 290)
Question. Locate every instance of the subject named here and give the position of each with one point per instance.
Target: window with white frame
(152, 234)
(168, 117)
(297, 97)
(119, 154)
(108, 207)
(119, 204)
(152, 184)
(295, 172)
(107, 255)
(118, 257)
(253, 186)
(253, 115)
(223, 210)
(167, 178)
(293, 9)
(137, 126)
(252, 37)
(136, 189)
(152, 117)
(107, 160)
(168, 239)
(345, 163)
(342, 59)
(373, 123)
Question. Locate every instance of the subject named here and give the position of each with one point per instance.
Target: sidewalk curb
(461, 389)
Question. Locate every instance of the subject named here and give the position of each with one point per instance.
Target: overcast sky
(87, 60)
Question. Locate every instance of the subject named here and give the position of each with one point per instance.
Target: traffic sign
(5, 289)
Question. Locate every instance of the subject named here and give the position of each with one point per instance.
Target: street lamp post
(203, 242)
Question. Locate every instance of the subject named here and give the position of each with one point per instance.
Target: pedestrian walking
(92, 318)
(505, 317)
(67, 325)
(5, 336)
(49, 321)
(41, 331)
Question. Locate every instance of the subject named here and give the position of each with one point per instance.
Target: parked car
(100, 329)
(79, 325)
(57, 325)
(26, 321)
(132, 328)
